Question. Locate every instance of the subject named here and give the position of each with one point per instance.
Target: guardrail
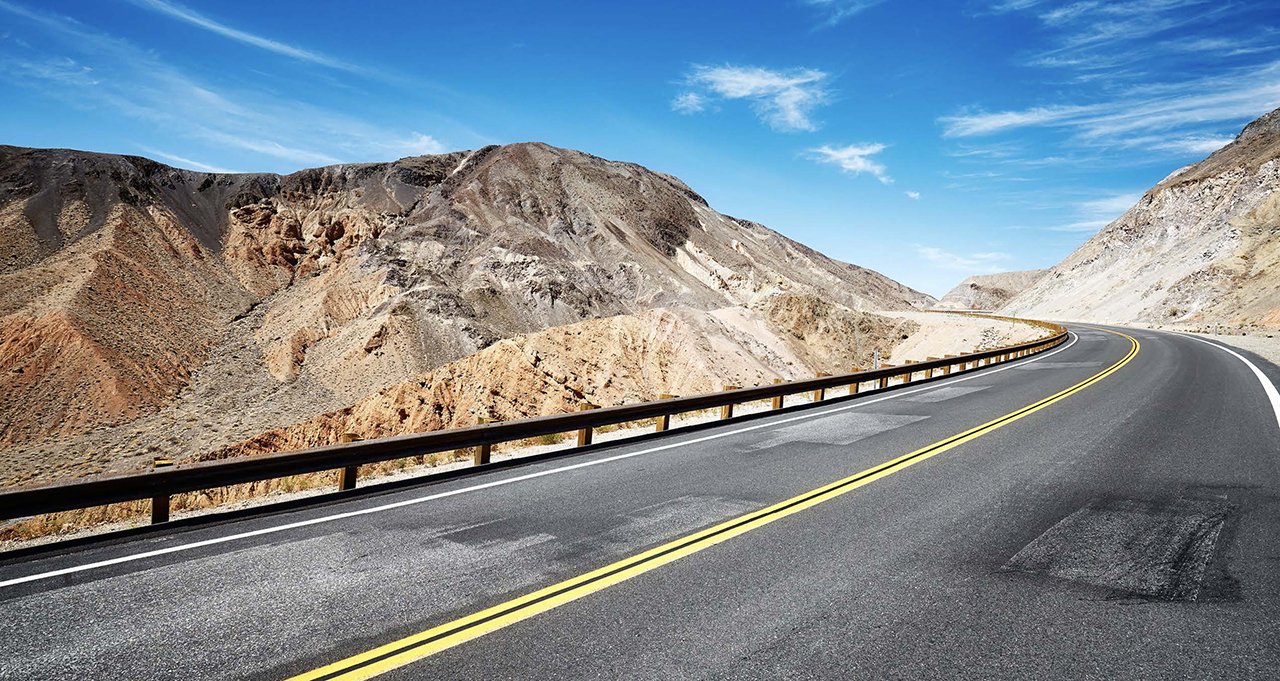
(160, 484)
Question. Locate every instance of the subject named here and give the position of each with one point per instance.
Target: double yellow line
(412, 648)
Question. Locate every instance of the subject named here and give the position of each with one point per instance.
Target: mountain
(989, 291)
(1201, 247)
(145, 308)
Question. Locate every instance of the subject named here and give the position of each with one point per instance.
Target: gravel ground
(1264, 346)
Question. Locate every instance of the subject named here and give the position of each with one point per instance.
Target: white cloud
(111, 75)
(983, 123)
(1110, 206)
(836, 11)
(973, 263)
(854, 158)
(783, 99)
(183, 162)
(418, 144)
(689, 103)
(915, 196)
(193, 17)
(1189, 114)
(1083, 226)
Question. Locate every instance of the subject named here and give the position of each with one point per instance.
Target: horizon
(1002, 156)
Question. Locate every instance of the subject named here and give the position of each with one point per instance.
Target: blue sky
(929, 141)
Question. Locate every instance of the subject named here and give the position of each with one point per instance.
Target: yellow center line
(426, 643)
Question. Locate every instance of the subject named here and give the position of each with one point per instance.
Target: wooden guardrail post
(884, 382)
(821, 393)
(347, 476)
(777, 399)
(584, 435)
(853, 387)
(727, 410)
(929, 372)
(663, 422)
(907, 377)
(160, 504)
(482, 453)
(946, 370)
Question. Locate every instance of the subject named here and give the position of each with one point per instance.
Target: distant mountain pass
(989, 291)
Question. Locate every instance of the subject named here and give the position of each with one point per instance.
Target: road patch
(1143, 549)
(942, 394)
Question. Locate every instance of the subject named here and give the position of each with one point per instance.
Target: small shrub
(550, 438)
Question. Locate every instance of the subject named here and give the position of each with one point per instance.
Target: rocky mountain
(1201, 247)
(145, 308)
(989, 291)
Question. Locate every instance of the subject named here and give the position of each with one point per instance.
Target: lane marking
(506, 481)
(413, 648)
(1267, 386)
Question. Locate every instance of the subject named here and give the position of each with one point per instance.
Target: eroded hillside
(1201, 247)
(147, 309)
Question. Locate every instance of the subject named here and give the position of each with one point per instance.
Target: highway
(1106, 509)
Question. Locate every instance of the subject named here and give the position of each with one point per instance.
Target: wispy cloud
(190, 16)
(854, 158)
(1190, 114)
(1095, 213)
(111, 75)
(835, 11)
(785, 99)
(974, 263)
(914, 196)
(1084, 226)
(182, 162)
(689, 103)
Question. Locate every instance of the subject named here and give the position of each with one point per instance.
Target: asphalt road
(1128, 529)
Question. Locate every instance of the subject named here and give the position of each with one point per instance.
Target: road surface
(1115, 514)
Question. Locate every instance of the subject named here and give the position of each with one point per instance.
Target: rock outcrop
(1201, 247)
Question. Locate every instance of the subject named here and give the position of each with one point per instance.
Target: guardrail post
(821, 393)
(884, 382)
(347, 476)
(907, 378)
(481, 456)
(584, 435)
(853, 387)
(160, 504)
(663, 422)
(928, 373)
(727, 410)
(946, 370)
(778, 399)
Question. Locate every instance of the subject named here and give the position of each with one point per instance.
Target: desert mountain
(989, 291)
(144, 307)
(1202, 246)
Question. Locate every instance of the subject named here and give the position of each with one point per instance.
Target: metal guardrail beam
(191, 477)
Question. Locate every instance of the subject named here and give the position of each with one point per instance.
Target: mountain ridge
(121, 278)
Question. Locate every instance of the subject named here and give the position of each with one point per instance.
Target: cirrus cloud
(784, 99)
(854, 158)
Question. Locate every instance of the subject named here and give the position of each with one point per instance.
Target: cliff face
(989, 291)
(136, 297)
(1202, 246)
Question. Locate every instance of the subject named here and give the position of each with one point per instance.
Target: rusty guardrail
(160, 484)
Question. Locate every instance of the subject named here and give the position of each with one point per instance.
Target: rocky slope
(147, 309)
(989, 291)
(1201, 247)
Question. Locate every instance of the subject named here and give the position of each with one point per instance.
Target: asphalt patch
(947, 393)
(1144, 549)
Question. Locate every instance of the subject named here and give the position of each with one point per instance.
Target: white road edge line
(1267, 386)
(505, 481)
